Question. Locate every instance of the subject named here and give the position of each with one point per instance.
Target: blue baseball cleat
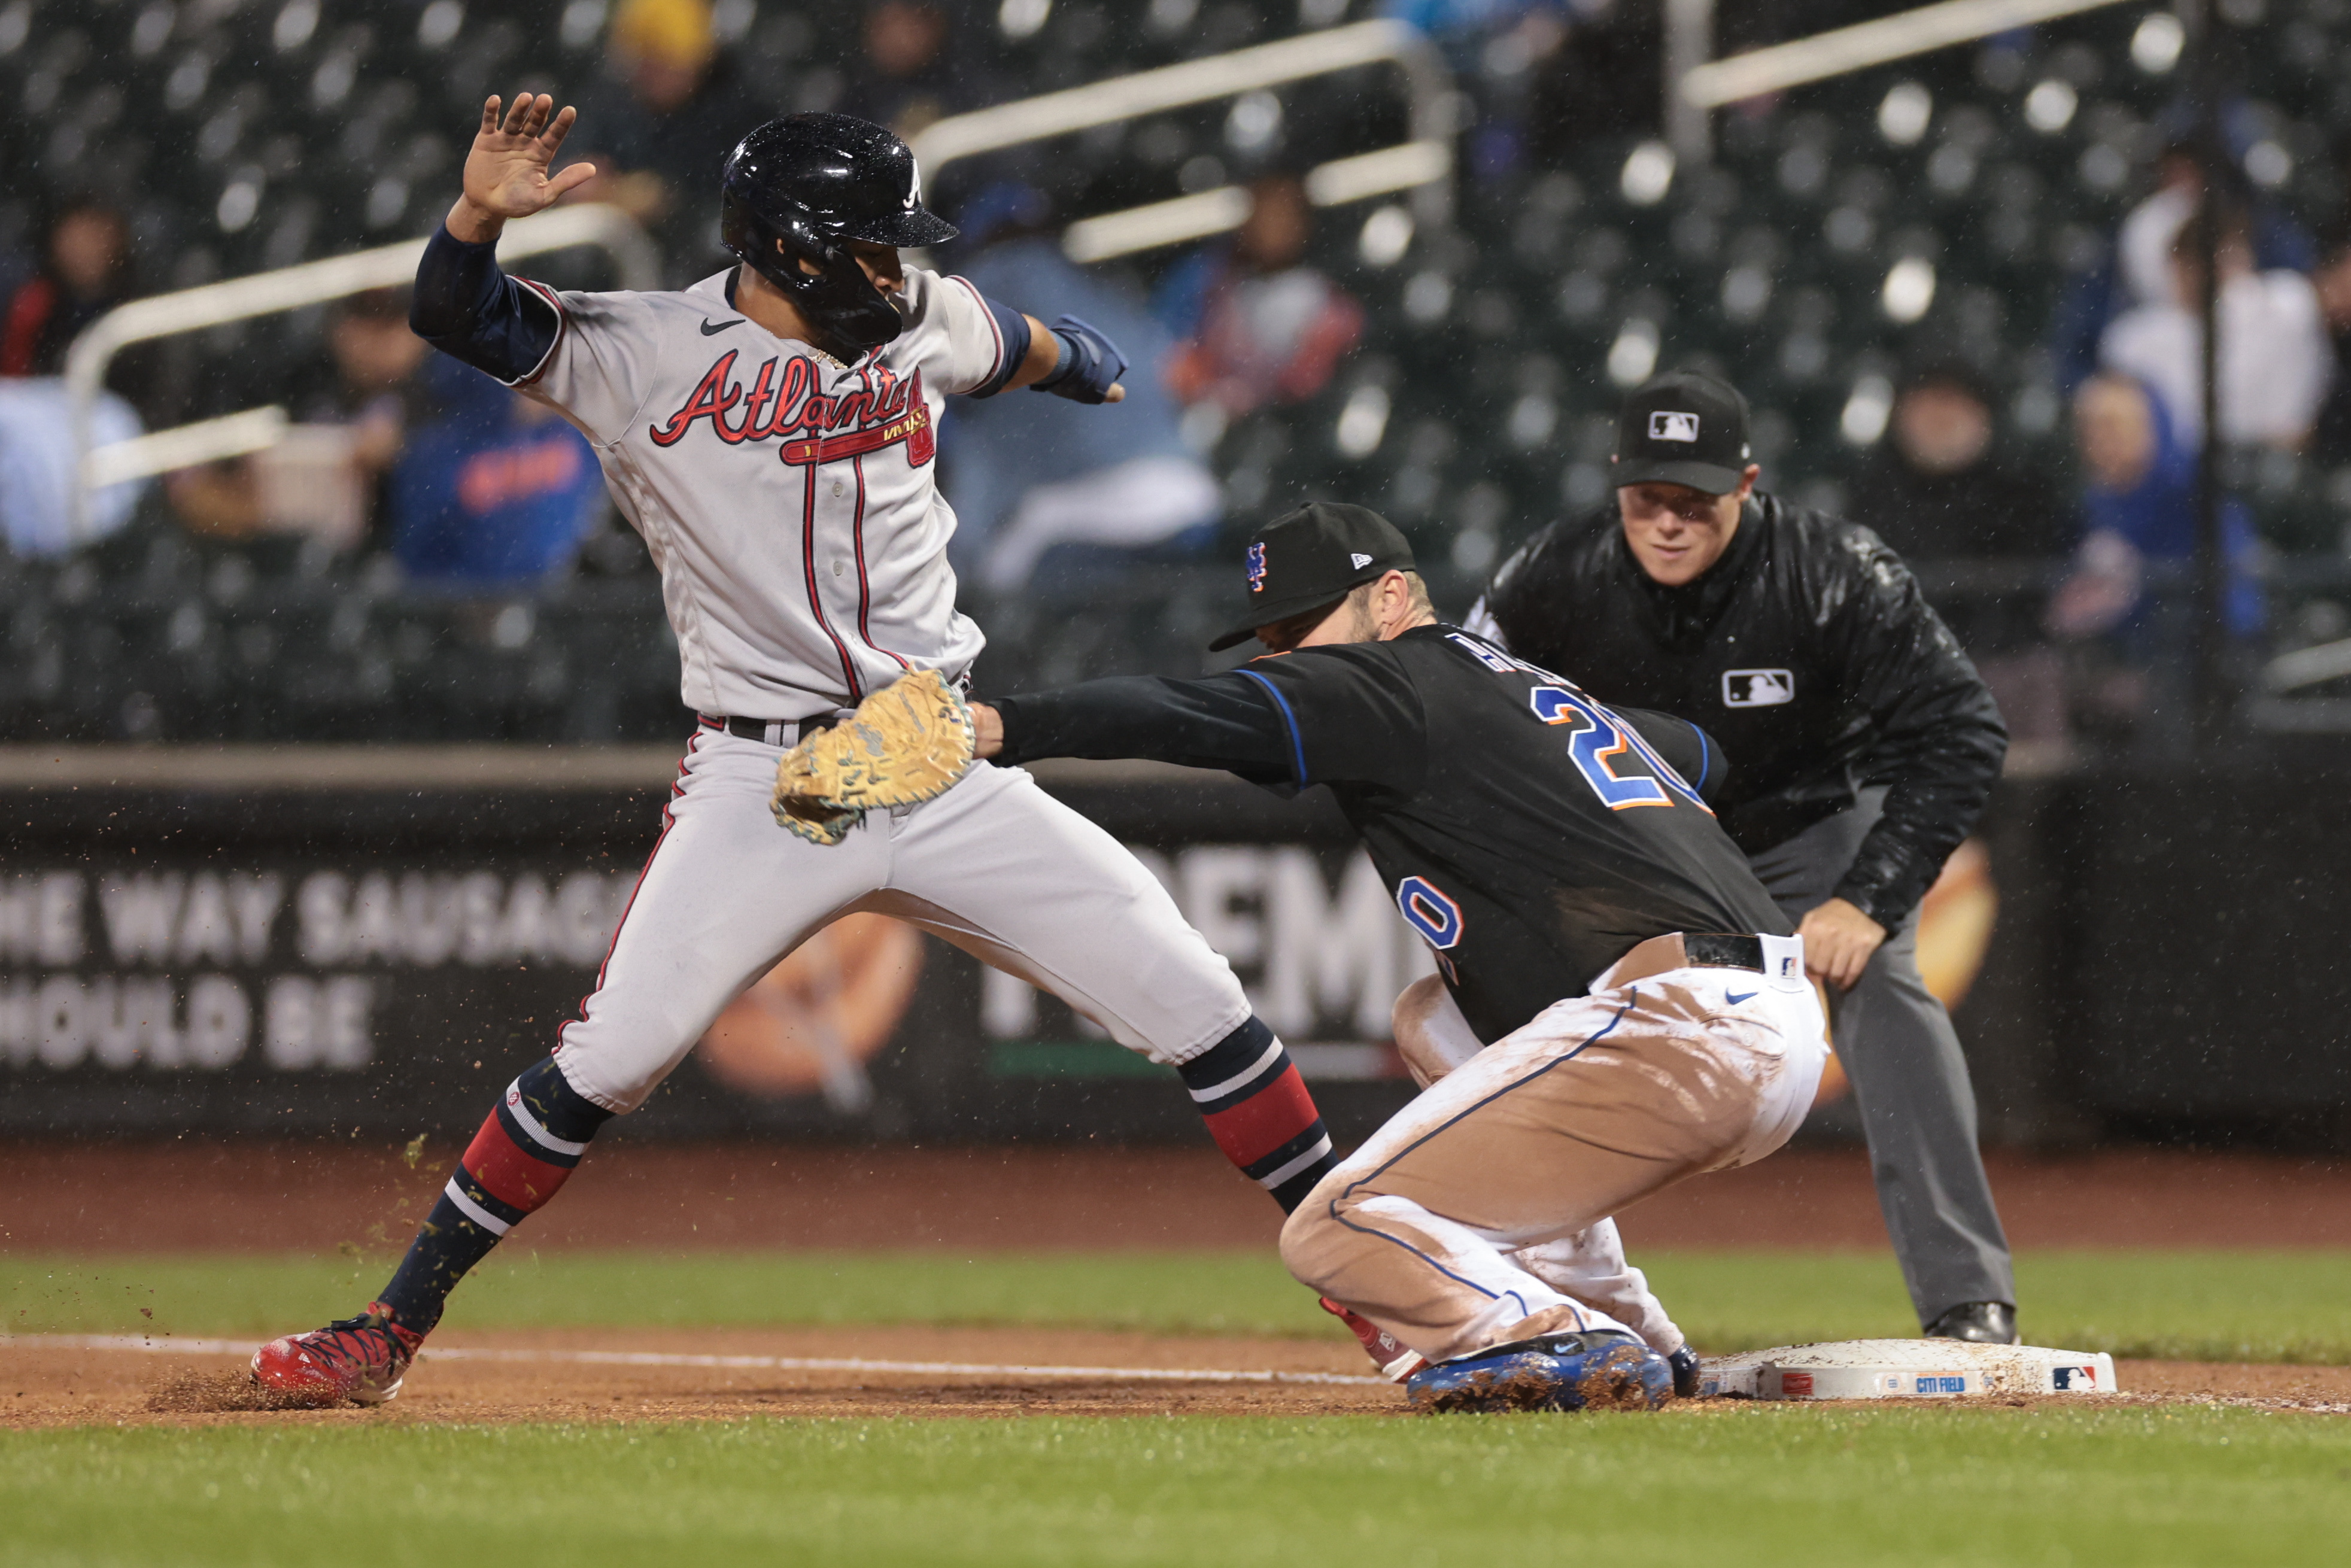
(1602, 1369)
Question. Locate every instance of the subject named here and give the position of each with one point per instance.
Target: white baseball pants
(995, 866)
(1480, 1213)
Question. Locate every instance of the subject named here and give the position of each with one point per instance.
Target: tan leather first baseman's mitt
(906, 744)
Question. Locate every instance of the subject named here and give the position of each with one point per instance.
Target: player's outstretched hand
(506, 171)
(1838, 942)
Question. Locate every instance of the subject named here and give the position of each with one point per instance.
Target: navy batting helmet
(796, 188)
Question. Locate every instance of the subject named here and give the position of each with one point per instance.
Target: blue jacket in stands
(493, 493)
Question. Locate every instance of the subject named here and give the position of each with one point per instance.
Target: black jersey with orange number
(1530, 833)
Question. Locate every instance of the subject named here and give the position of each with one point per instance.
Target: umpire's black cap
(1685, 428)
(1314, 556)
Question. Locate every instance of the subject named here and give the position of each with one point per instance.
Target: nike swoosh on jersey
(1735, 998)
(712, 328)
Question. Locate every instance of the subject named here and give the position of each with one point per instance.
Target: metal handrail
(1428, 88)
(589, 224)
(1843, 50)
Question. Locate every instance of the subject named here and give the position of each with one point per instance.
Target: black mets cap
(1314, 556)
(1686, 428)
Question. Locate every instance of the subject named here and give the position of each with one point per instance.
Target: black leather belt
(768, 731)
(1724, 950)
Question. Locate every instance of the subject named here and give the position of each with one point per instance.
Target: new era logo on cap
(1358, 562)
(1665, 424)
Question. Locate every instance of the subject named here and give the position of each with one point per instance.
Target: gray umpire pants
(1910, 1084)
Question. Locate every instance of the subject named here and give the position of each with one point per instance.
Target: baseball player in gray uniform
(771, 431)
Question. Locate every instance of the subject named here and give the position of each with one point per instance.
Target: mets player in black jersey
(1619, 1004)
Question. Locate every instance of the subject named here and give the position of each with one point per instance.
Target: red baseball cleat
(1395, 1359)
(360, 1359)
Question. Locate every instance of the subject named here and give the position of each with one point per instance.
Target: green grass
(2207, 1306)
(1758, 1486)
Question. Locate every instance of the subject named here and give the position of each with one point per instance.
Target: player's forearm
(1043, 356)
(466, 307)
(1219, 722)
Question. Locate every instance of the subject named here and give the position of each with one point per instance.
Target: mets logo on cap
(1257, 568)
(1665, 424)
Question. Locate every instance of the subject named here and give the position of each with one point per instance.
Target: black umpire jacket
(1806, 651)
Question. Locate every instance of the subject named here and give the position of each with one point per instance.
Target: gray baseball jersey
(788, 500)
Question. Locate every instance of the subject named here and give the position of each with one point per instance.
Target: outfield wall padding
(375, 950)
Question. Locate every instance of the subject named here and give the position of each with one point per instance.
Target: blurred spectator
(2331, 441)
(352, 405)
(2276, 361)
(1936, 492)
(468, 485)
(2139, 511)
(905, 79)
(1256, 324)
(85, 272)
(1027, 474)
(36, 453)
(661, 129)
(2140, 270)
(496, 492)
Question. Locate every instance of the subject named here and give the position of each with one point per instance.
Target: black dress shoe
(1984, 1323)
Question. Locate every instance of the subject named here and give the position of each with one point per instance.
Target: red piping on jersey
(816, 604)
(562, 325)
(864, 588)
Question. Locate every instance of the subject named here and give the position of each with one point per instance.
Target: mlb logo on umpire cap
(1758, 688)
(1257, 568)
(1668, 424)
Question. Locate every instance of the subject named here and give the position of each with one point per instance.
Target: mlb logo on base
(1758, 688)
(1665, 424)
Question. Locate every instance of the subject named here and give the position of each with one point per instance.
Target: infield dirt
(47, 1385)
(96, 1200)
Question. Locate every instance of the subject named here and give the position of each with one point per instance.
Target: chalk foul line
(755, 1363)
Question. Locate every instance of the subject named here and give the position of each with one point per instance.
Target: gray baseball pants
(1910, 1083)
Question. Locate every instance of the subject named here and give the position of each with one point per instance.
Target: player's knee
(1308, 1237)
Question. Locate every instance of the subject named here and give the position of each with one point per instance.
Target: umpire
(1863, 745)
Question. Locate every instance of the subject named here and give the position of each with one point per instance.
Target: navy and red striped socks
(1259, 1110)
(523, 1154)
(1245, 1086)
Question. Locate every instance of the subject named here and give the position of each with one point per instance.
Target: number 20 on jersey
(1595, 742)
